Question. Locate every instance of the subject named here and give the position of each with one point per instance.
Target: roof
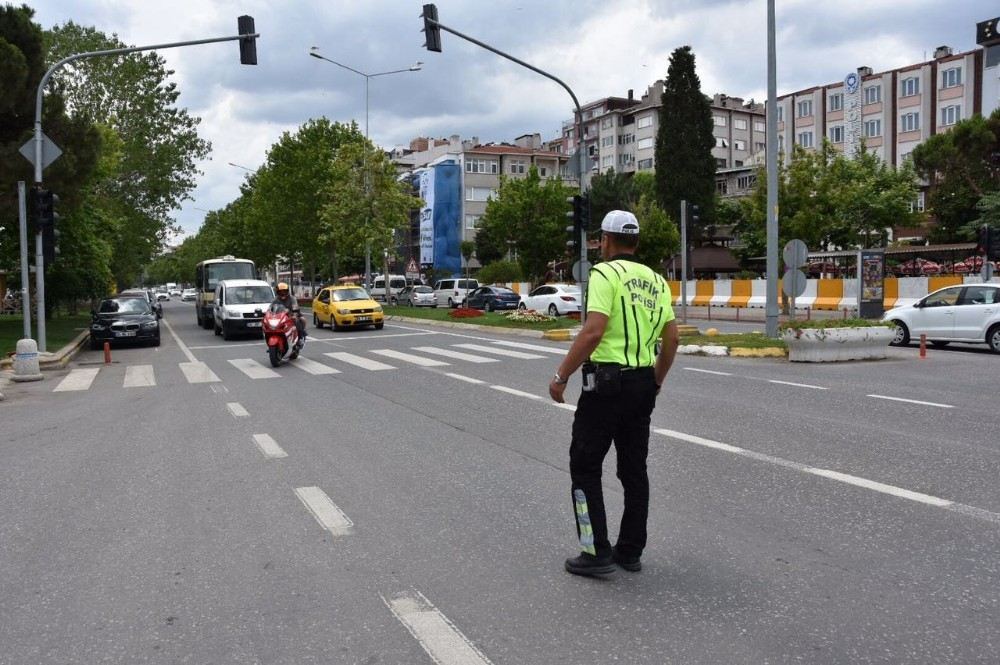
(243, 282)
(515, 150)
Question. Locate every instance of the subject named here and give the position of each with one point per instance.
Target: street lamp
(415, 67)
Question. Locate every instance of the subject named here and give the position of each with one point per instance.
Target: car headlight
(98, 326)
(233, 313)
(378, 308)
(343, 311)
(150, 324)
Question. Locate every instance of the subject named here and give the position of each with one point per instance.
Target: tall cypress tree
(685, 168)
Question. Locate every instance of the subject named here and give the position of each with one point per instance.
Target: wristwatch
(558, 380)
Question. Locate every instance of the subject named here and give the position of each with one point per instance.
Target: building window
(645, 164)
(951, 114)
(951, 78)
(873, 128)
(737, 162)
(745, 182)
(873, 95)
(910, 122)
(542, 171)
(644, 144)
(607, 161)
(517, 166)
(472, 221)
(739, 123)
(739, 144)
(721, 187)
(719, 120)
(837, 102)
(917, 204)
(479, 193)
(805, 108)
(481, 166)
(644, 121)
(837, 134)
(806, 139)
(720, 163)
(905, 156)
(759, 145)
(781, 143)
(759, 126)
(781, 114)
(607, 141)
(607, 123)
(910, 86)
(625, 139)
(721, 142)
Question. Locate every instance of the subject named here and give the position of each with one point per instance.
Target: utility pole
(772, 178)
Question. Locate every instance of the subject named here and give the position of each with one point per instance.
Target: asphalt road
(421, 513)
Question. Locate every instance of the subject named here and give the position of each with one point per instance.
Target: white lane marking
(913, 401)
(534, 347)
(439, 637)
(223, 346)
(797, 385)
(565, 405)
(341, 338)
(313, 367)
(500, 352)
(269, 446)
(892, 490)
(467, 379)
(457, 355)
(326, 512)
(705, 371)
(406, 357)
(220, 389)
(182, 345)
(138, 376)
(358, 361)
(237, 410)
(254, 369)
(514, 391)
(77, 379)
(197, 372)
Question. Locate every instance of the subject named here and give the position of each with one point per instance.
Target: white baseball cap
(620, 221)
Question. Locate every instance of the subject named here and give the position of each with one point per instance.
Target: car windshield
(423, 289)
(247, 295)
(342, 295)
(124, 306)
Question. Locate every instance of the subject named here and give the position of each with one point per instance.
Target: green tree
(961, 168)
(685, 168)
(609, 191)
(500, 272)
(530, 215)
(659, 238)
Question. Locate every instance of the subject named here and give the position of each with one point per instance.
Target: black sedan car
(124, 319)
(492, 298)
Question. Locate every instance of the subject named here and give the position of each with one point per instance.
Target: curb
(57, 360)
(733, 352)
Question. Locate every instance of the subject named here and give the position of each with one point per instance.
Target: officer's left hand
(556, 391)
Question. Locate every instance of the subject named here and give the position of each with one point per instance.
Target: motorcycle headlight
(343, 312)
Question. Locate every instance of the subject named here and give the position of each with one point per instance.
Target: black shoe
(590, 565)
(629, 563)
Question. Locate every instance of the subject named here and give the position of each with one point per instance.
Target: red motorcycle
(281, 334)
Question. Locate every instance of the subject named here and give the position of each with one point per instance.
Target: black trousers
(624, 420)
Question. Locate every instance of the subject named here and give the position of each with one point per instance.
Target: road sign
(411, 269)
(581, 269)
(50, 151)
(795, 254)
(794, 283)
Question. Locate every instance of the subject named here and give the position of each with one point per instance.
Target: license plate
(253, 324)
(127, 333)
(363, 318)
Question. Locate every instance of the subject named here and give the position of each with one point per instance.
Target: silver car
(968, 313)
(416, 296)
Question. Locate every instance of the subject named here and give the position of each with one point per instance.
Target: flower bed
(529, 315)
(464, 313)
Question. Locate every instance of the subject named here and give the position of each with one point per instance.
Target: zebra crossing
(144, 376)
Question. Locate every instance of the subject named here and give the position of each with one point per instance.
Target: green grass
(835, 323)
(744, 341)
(487, 319)
(59, 331)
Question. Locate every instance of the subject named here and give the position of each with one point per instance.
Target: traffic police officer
(628, 313)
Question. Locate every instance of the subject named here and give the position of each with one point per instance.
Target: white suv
(968, 313)
(240, 305)
(453, 291)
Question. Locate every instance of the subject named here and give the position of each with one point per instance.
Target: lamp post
(415, 67)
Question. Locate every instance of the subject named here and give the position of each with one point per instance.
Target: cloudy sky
(598, 48)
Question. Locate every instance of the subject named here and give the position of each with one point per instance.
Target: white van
(240, 305)
(396, 284)
(453, 291)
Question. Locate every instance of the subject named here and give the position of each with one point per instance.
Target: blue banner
(447, 215)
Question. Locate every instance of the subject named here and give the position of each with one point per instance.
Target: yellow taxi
(347, 306)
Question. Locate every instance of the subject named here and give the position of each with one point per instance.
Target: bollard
(26, 361)
(923, 346)
(107, 353)
(709, 312)
(737, 315)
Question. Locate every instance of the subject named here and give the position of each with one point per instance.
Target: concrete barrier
(722, 293)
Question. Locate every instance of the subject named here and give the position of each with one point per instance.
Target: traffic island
(57, 360)
(850, 339)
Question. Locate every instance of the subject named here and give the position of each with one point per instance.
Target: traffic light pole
(581, 167)
(39, 275)
(684, 262)
(25, 291)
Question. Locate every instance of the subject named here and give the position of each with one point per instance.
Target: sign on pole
(50, 151)
(411, 269)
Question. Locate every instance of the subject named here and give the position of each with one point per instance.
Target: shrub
(527, 315)
(835, 323)
(500, 272)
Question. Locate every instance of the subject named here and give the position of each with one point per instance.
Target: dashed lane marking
(913, 401)
(269, 446)
(705, 371)
(467, 379)
(797, 385)
(439, 637)
(326, 512)
(237, 410)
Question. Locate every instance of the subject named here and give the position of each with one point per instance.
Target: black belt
(624, 368)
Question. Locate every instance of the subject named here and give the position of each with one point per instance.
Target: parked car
(346, 306)
(493, 297)
(416, 296)
(968, 313)
(124, 319)
(240, 305)
(146, 295)
(188, 295)
(553, 299)
(396, 284)
(453, 291)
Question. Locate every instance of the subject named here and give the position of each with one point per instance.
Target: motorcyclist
(291, 303)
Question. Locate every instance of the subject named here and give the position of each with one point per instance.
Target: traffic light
(575, 229)
(432, 31)
(693, 214)
(993, 244)
(46, 220)
(248, 45)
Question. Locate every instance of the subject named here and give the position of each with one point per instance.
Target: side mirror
(918, 304)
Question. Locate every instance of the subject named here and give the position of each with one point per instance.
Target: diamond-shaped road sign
(50, 151)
